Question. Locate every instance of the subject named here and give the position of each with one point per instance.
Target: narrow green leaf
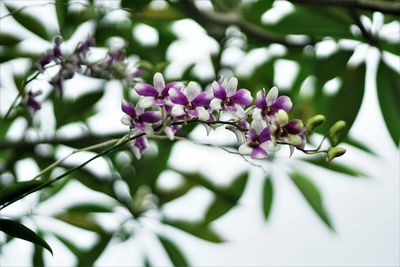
(200, 230)
(267, 197)
(336, 167)
(8, 39)
(69, 245)
(85, 208)
(18, 230)
(312, 195)
(89, 257)
(388, 86)
(13, 191)
(357, 144)
(173, 252)
(29, 22)
(37, 257)
(62, 13)
(80, 220)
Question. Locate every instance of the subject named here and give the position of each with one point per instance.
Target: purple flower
(137, 118)
(57, 50)
(227, 98)
(44, 60)
(155, 94)
(289, 131)
(190, 102)
(139, 145)
(258, 140)
(268, 106)
(171, 130)
(32, 102)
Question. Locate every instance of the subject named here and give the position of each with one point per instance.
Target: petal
(253, 135)
(148, 129)
(203, 99)
(193, 113)
(265, 135)
(128, 109)
(145, 89)
(231, 87)
(169, 132)
(245, 149)
(283, 102)
(170, 85)
(158, 81)
(261, 102)
(272, 95)
(294, 139)
(126, 120)
(258, 153)
(136, 152)
(178, 110)
(257, 114)
(242, 97)
(267, 146)
(215, 104)
(258, 125)
(178, 97)
(219, 90)
(240, 113)
(191, 91)
(142, 143)
(146, 102)
(151, 116)
(294, 126)
(203, 114)
(282, 118)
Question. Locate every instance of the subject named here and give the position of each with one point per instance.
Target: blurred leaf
(267, 197)
(84, 221)
(88, 258)
(200, 230)
(356, 143)
(336, 167)
(18, 230)
(252, 11)
(69, 245)
(173, 252)
(16, 190)
(8, 39)
(37, 257)
(327, 68)
(136, 5)
(388, 86)
(85, 208)
(312, 195)
(62, 16)
(29, 22)
(389, 47)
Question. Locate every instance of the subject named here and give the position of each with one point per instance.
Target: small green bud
(335, 152)
(282, 118)
(335, 131)
(314, 122)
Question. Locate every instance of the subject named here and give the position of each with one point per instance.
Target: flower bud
(282, 118)
(335, 152)
(335, 131)
(314, 122)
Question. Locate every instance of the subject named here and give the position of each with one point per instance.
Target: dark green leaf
(68, 244)
(173, 252)
(37, 257)
(87, 208)
(336, 167)
(8, 39)
(29, 22)
(136, 5)
(84, 221)
(88, 258)
(200, 230)
(18, 230)
(312, 195)
(267, 197)
(388, 86)
(16, 190)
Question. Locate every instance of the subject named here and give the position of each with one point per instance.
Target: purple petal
(219, 90)
(282, 102)
(265, 135)
(170, 85)
(261, 103)
(159, 102)
(141, 143)
(193, 113)
(231, 108)
(178, 97)
(258, 153)
(242, 97)
(128, 109)
(150, 116)
(294, 126)
(201, 100)
(146, 90)
(253, 135)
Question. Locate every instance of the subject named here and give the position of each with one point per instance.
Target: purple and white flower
(31, 102)
(258, 141)
(139, 145)
(289, 131)
(228, 98)
(268, 106)
(138, 119)
(155, 94)
(190, 102)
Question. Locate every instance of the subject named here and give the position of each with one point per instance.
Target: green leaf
(84, 221)
(200, 230)
(87, 208)
(88, 258)
(8, 39)
(136, 5)
(336, 167)
(173, 252)
(68, 244)
(62, 15)
(388, 86)
(37, 257)
(267, 197)
(312, 195)
(357, 144)
(15, 229)
(29, 22)
(16, 190)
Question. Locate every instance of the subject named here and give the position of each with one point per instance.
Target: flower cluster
(259, 128)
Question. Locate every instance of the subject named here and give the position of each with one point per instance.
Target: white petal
(191, 91)
(126, 120)
(282, 118)
(267, 146)
(257, 114)
(168, 131)
(245, 149)
(158, 81)
(178, 110)
(258, 125)
(240, 111)
(148, 129)
(215, 104)
(231, 87)
(272, 95)
(203, 114)
(146, 102)
(136, 152)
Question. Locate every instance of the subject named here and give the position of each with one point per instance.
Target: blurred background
(211, 208)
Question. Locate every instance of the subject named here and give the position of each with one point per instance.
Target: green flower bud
(282, 118)
(335, 152)
(335, 131)
(314, 122)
